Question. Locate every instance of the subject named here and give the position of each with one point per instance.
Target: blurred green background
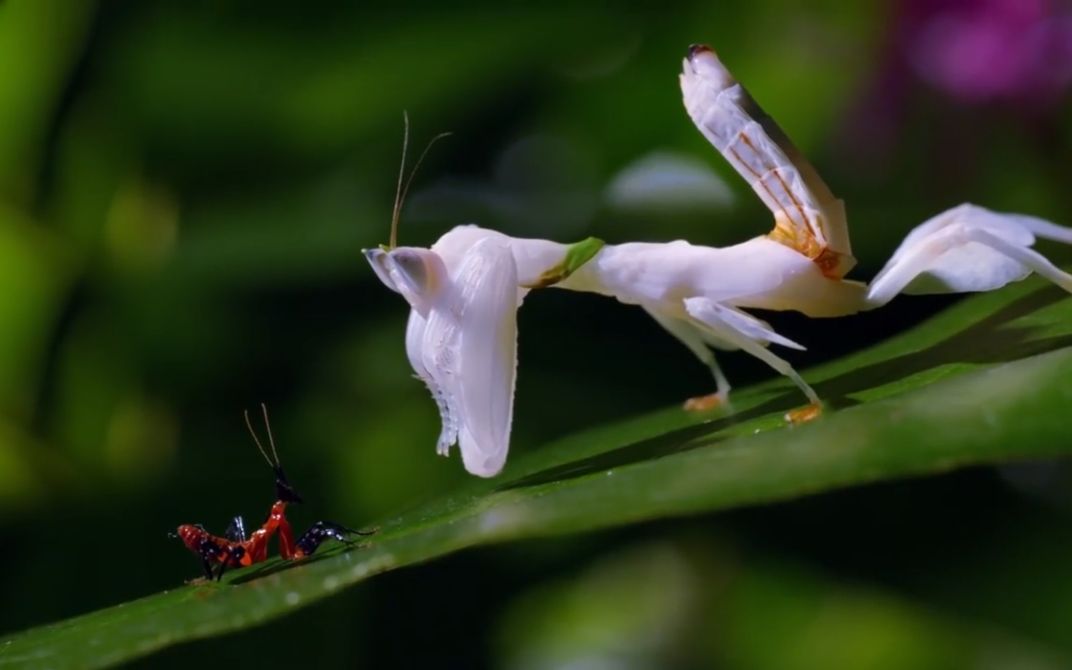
(184, 192)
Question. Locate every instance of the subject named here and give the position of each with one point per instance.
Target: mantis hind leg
(694, 338)
(969, 249)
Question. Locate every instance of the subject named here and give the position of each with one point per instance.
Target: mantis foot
(706, 403)
(804, 414)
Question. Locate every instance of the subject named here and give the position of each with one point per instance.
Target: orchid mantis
(465, 290)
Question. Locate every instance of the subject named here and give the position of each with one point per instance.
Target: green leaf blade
(986, 382)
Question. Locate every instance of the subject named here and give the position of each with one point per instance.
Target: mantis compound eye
(411, 266)
(418, 274)
(377, 258)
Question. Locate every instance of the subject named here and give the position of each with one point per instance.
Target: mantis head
(461, 337)
(417, 273)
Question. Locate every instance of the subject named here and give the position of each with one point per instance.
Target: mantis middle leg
(748, 333)
(693, 338)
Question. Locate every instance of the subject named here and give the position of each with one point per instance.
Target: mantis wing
(807, 216)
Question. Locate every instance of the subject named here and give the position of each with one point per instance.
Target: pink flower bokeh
(981, 51)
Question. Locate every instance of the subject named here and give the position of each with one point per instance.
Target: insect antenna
(396, 212)
(256, 440)
(284, 491)
(403, 182)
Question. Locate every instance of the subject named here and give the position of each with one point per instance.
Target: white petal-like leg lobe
(748, 333)
(1044, 229)
(968, 249)
(416, 330)
(486, 308)
(461, 340)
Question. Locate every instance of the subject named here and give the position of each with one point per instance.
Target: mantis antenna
(403, 183)
(274, 461)
(397, 211)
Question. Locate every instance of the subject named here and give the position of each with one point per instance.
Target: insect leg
(223, 564)
(905, 267)
(236, 532)
(286, 538)
(275, 523)
(206, 565)
(321, 531)
(966, 249)
(747, 333)
(692, 337)
(232, 553)
(209, 551)
(1029, 257)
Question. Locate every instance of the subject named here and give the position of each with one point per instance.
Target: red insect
(236, 550)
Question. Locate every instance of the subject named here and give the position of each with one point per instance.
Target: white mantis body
(464, 291)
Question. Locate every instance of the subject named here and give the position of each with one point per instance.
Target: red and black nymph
(235, 549)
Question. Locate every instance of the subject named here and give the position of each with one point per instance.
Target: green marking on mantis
(577, 254)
